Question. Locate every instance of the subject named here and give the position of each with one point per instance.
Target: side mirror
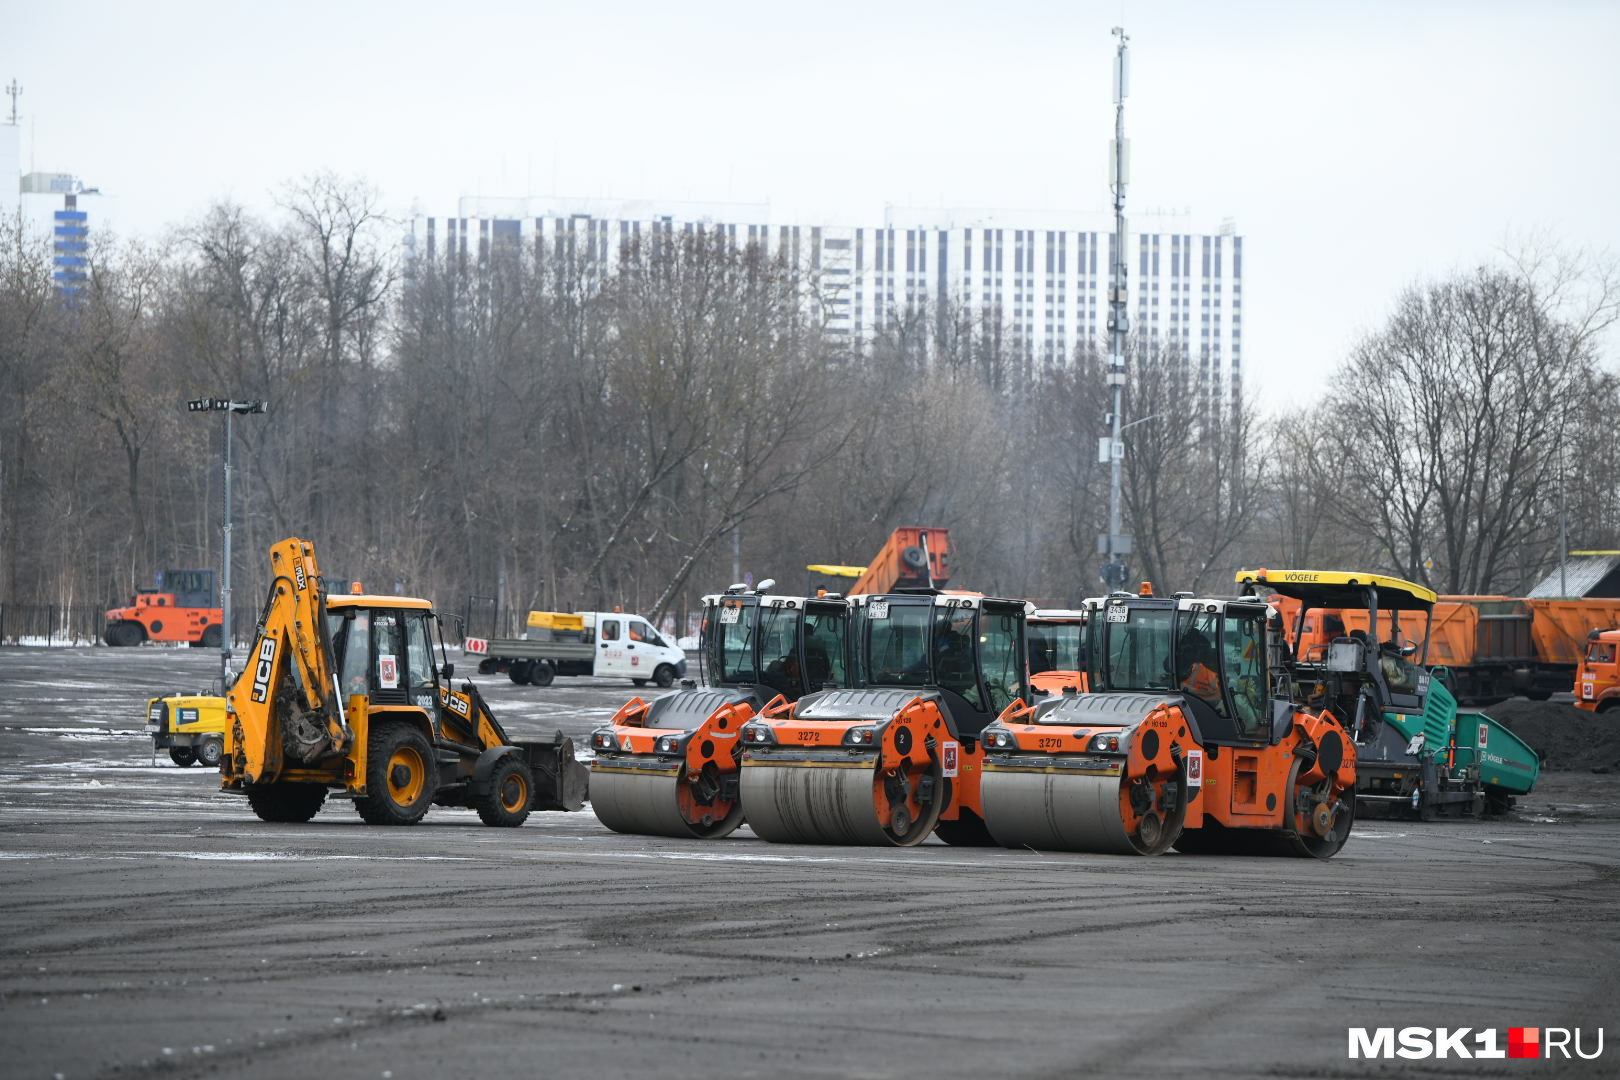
(447, 672)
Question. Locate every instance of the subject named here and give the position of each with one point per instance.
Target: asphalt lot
(154, 927)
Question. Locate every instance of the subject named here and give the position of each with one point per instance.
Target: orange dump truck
(1597, 680)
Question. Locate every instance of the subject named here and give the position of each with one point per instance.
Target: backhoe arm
(287, 704)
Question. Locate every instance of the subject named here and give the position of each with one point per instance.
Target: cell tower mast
(1114, 547)
(16, 92)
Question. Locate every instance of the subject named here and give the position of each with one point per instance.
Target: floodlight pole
(230, 408)
(1115, 570)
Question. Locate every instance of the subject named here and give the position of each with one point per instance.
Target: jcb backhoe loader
(1190, 735)
(342, 696)
(669, 767)
(896, 756)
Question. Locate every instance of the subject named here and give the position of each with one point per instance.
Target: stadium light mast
(230, 408)
(1115, 546)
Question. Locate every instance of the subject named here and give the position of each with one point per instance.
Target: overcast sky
(1358, 146)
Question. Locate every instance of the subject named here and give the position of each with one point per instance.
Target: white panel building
(1047, 279)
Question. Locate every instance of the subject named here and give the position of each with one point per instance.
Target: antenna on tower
(1115, 546)
(16, 92)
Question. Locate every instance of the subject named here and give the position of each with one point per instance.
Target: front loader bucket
(560, 782)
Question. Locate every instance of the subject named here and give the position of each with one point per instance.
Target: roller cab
(669, 767)
(1057, 650)
(896, 758)
(1188, 737)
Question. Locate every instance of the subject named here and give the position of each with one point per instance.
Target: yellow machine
(341, 696)
(191, 727)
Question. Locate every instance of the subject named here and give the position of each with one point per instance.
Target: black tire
(123, 635)
(400, 775)
(286, 803)
(210, 751)
(213, 637)
(488, 666)
(183, 756)
(542, 673)
(639, 682)
(1538, 694)
(507, 795)
(664, 676)
(519, 672)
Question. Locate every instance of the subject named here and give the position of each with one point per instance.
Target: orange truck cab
(183, 607)
(1597, 681)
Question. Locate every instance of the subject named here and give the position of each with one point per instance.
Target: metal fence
(51, 624)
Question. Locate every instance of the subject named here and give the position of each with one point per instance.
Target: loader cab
(1374, 663)
(788, 645)
(969, 648)
(382, 649)
(1218, 654)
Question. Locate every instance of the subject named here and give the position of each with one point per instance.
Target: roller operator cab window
(779, 649)
(1243, 640)
(825, 634)
(1130, 648)
(731, 643)
(1055, 647)
(953, 654)
(897, 643)
(1001, 655)
(1198, 661)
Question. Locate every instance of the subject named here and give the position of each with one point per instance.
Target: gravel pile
(1566, 737)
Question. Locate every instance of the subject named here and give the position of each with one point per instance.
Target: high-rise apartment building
(1047, 281)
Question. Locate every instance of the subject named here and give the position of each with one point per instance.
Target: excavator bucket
(560, 782)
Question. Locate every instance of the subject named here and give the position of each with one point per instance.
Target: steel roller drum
(648, 803)
(819, 804)
(1051, 811)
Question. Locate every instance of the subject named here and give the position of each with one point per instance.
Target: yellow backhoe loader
(342, 698)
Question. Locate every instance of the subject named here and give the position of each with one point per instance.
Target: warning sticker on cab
(1195, 768)
(948, 756)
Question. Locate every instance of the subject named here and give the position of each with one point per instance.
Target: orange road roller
(668, 767)
(895, 757)
(1189, 737)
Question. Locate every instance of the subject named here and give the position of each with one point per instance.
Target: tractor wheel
(488, 666)
(519, 672)
(289, 802)
(542, 673)
(506, 798)
(664, 676)
(209, 751)
(212, 637)
(182, 756)
(122, 635)
(400, 776)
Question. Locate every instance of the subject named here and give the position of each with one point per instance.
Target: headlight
(669, 744)
(758, 735)
(998, 739)
(1105, 744)
(860, 736)
(604, 740)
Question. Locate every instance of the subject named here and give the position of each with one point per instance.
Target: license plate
(1119, 613)
(879, 609)
(728, 614)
